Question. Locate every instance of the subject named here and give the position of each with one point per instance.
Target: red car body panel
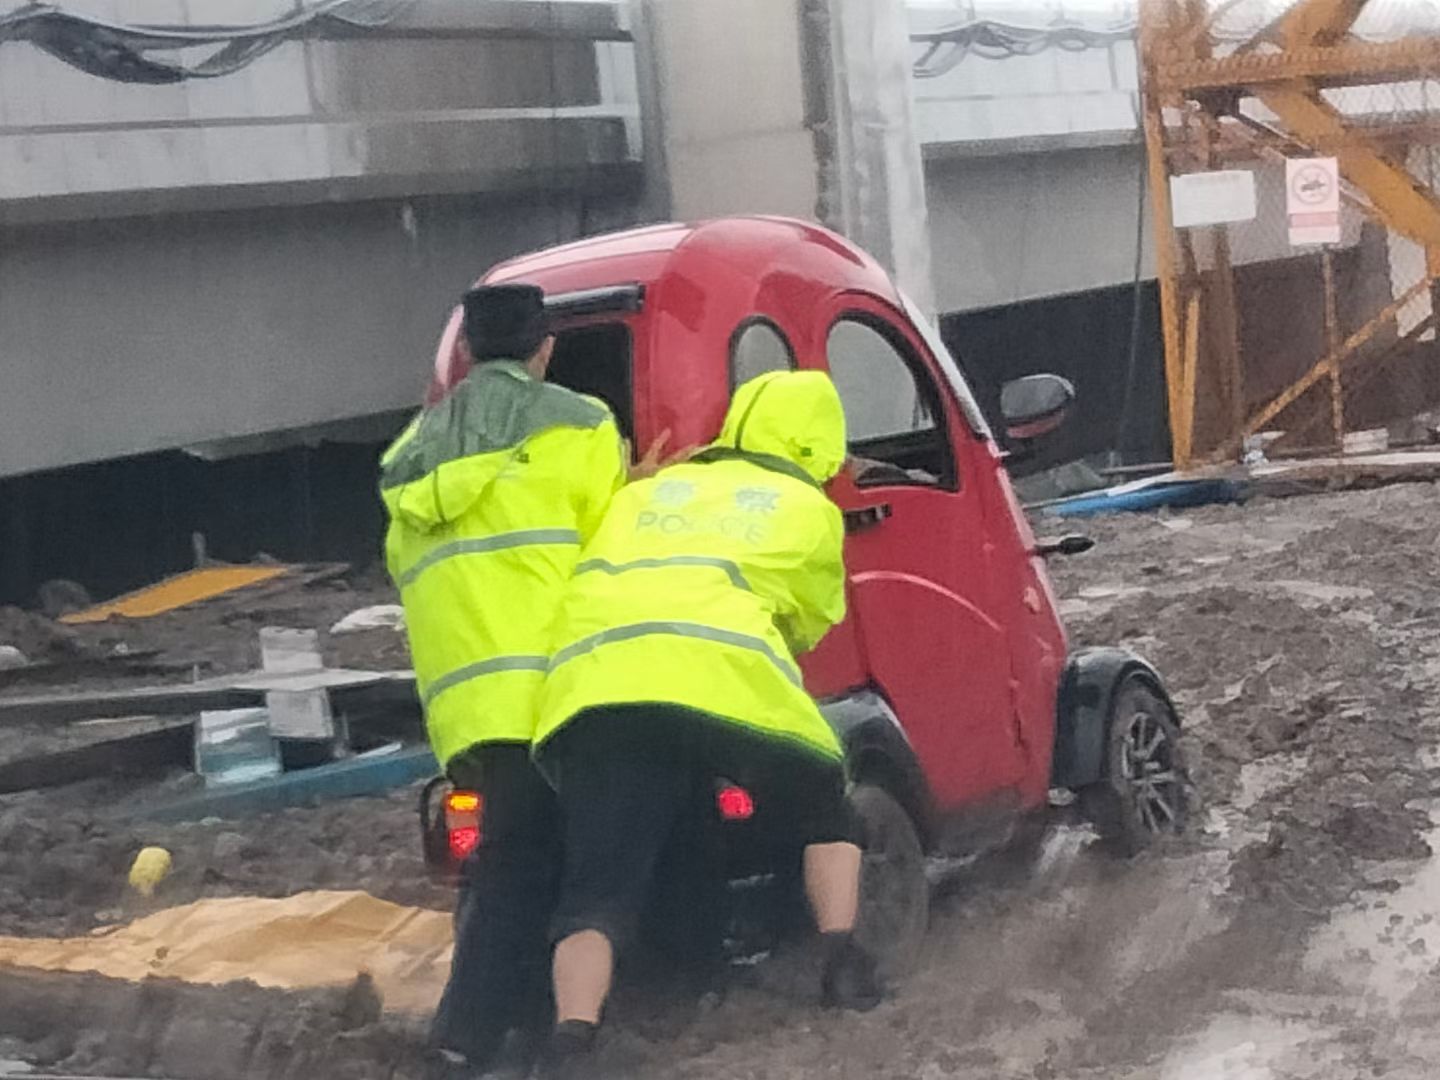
(952, 616)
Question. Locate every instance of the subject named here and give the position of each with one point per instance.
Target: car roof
(737, 253)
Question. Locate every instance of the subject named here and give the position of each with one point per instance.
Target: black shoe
(850, 979)
(570, 1052)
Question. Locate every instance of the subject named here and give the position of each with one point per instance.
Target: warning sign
(1312, 199)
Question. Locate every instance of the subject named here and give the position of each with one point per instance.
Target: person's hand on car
(654, 459)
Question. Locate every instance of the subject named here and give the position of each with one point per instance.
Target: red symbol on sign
(1311, 185)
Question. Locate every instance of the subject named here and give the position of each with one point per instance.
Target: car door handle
(866, 517)
(1073, 544)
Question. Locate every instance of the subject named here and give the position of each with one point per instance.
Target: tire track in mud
(1319, 769)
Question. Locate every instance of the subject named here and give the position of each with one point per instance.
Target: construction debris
(154, 750)
(375, 617)
(59, 597)
(38, 638)
(1258, 476)
(374, 772)
(150, 868)
(177, 592)
(234, 746)
(311, 939)
(204, 640)
(224, 692)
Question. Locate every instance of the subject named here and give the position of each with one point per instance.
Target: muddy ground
(1293, 936)
(216, 637)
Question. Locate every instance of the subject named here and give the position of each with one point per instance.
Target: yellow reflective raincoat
(491, 494)
(705, 581)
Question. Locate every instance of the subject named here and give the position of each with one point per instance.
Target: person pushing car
(491, 492)
(674, 663)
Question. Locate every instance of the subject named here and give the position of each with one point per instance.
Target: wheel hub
(1152, 774)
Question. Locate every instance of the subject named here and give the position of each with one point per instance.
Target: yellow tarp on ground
(311, 939)
(176, 592)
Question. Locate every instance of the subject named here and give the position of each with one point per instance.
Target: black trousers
(635, 781)
(500, 974)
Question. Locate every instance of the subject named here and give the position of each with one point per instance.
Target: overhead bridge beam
(567, 20)
(1351, 63)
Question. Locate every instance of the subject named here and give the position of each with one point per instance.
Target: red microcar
(951, 683)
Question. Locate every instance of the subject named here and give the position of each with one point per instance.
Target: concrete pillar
(876, 187)
(796, 107)
(725, 79)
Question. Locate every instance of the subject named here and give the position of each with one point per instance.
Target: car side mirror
(1035, 406)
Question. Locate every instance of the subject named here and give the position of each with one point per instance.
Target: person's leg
(807, 796)
(689, 911)
(832, 885)
(849, 979)
(621, 787)
(832, 864)
(584, 968)
(532, 892)
(453, 1029)
(499, 964)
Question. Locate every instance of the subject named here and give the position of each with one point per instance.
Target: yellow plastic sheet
(312, 939)
(175, 592)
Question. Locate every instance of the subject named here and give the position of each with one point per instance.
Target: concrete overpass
(274, 249)
(261, 261)
(253, 268)
(221, 243)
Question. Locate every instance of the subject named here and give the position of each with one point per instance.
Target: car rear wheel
(894, 891)
(1146, 791)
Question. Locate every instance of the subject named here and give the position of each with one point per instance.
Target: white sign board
(1312, 199)
(1212, 198)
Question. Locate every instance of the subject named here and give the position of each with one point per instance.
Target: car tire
(1145, 793)
(894, 890)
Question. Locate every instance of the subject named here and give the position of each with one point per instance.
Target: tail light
(734, 803)
(463, 812)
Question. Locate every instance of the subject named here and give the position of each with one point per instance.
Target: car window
(969, 407)
(890, 408)
(757, 348)
(596, 360)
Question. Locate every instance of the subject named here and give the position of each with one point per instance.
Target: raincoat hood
(793, 415)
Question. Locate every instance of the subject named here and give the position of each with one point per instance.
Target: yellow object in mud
(176, 592)
(150, 868)
(310, 939)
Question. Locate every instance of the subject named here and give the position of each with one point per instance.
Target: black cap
(505, 322)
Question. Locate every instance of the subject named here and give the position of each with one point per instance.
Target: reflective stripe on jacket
(491, 494)
(704, 582)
